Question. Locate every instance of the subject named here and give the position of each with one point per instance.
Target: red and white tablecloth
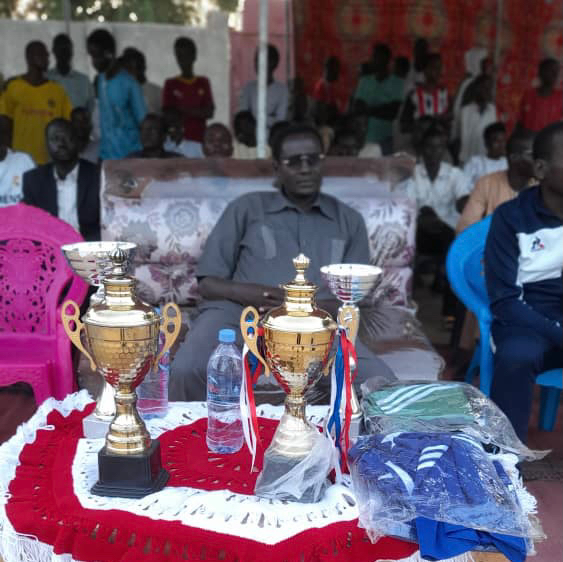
(206, 512)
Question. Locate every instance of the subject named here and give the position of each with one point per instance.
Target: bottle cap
(226, 335)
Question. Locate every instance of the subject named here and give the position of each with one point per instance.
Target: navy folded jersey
(524, 263)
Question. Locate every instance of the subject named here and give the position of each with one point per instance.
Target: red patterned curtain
(530, 31)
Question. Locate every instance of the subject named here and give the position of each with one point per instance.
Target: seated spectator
(88, 147)
(327, 109)
(217, 141)
(32, 101)
(249, 254)
(244, 145)
(68, 187)
(187, 93)
(277, 94)
(542, 105)
(523, 270)
(436, 187)
(175, 141)
(427, 98)
(475, 117)
(478, 166)
(76, 84)
(496, 188)
(153, 136)
(379, 97)
(120, 99)
(12, 166)
(134, 62)
(350, 139)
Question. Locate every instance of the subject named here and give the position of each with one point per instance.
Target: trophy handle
(249, 330)
(170, 336)
(74, 333)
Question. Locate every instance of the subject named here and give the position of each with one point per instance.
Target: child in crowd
(475, 117)
(495, 159)
(175, 141)
(523, 270)
(153, 135)
(217, 141)
(244, 144)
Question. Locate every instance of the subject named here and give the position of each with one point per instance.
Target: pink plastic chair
(34, 277)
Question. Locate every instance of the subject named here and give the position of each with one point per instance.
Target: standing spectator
(427, 98)
(495, 159)
(12, 166)
(217, 141)
(121, 103)
(277, 94)
(32, 101)
(475, 117)
(175, 141)
(379, 96)
(88, 147)
(189, 94)
(420, 53)
(401, 67)
(327, 108)
(135, 63)
(153, 136)
(67, 187)
(542, 105)
(523, 270)
(76, 84)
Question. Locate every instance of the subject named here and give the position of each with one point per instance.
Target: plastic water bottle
(224, 378)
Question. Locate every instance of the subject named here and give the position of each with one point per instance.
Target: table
(46, 508)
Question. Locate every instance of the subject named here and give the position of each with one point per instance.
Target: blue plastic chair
(465, 271)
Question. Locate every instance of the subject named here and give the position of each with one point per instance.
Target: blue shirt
(122, 108)
(523, 266)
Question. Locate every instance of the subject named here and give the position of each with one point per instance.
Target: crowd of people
(57, 127)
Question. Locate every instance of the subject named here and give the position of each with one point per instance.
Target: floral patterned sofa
(169, 207)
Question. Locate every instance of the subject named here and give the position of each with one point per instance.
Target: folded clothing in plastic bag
(440, 407)
(440, 476)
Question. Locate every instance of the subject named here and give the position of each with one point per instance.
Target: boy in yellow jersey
(32, 102)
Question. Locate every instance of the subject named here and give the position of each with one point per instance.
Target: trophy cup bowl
(297, 338)
(91, 261)
(122, 337)
(350, 283)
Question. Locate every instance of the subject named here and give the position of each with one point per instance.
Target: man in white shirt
(12, 166)
(67, 187)
(277, 94)
(76, 84)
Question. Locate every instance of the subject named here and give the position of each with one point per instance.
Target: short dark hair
(241, 116)
(102, 38)
(402, 64)
(59, 121)
(431, 58)
(493, 129)
(132, 53)
(61, 39)
(290, 130)
(516, 139)
(543, 143)
(79, 109)
(383, 49)
(185, 43)
(273, 55)
(156, 117)
(545, 63)
(435, 129)
(33, 45)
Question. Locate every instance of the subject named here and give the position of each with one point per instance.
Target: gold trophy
(122, 334)
(350, 283)
(297, 339)
(92, 262)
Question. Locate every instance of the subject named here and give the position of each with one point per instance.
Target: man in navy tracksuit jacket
(523, 269)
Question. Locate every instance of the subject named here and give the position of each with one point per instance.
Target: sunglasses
(299, 159)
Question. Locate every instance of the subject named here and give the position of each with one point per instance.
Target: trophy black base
(130, 476)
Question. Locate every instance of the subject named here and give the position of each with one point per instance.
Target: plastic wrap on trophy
(122, 335)
(297, 341)
(350, 283)
(92, 262)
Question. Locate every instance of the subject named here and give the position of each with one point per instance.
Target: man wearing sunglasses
(249, 253)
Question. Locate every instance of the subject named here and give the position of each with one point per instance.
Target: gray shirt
(260, 233)
(77, 87)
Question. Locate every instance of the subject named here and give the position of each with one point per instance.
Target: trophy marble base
(95, 427)
(276, 466)
(130, 476)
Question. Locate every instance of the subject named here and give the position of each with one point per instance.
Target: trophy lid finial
(118, 259)
(301, 264)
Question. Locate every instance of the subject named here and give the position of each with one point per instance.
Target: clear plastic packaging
(445, 477)
(152, 393)
(440, 406)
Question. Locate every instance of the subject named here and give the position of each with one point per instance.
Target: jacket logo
(537, 245)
